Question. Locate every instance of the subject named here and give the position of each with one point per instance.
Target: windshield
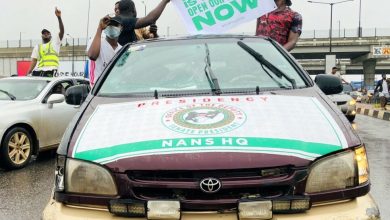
(21, 89)
(198, 65)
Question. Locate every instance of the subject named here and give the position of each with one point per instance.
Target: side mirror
(329, 84)
(55, 99)
(76, 95)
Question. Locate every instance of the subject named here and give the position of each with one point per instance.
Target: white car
(33, 116)
(345, 102)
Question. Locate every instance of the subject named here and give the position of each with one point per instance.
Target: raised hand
(58, 12)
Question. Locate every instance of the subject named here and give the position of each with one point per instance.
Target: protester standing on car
(283, 25)
(383, 88)
(140, 33)
(127, 10)
(102, 50)
(47, 53)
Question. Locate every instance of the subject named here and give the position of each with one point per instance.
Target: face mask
(112, 32)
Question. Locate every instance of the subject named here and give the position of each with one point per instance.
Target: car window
(21, 89)
(83, 82)
(58, 88)
(183, 67)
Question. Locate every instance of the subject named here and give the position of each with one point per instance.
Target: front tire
(16, 148)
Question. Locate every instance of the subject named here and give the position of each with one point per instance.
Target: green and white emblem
(204, 119)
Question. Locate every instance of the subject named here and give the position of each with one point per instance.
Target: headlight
(340, 171)
(87, 178)
(362, 164)
(352, 102)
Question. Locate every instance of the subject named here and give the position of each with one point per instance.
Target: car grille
(236, 185)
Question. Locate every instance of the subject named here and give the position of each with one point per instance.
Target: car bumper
(361, 208)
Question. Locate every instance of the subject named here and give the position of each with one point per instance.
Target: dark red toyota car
(210, 127)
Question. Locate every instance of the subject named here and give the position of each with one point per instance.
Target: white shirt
(385, 87)
(35, 54)
(105, 56)
(337, 74)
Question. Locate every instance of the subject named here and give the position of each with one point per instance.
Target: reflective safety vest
(48, 57)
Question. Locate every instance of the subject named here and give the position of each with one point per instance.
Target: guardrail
(33, 42)
(346, 33)
(306, 34)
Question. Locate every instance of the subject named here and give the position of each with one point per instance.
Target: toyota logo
(210, 185)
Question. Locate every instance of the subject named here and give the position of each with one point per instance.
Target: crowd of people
(124, 26)
(283, 25)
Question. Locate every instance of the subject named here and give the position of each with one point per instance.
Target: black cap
(335, 68)
(45, 31)
(288, 2)
(115, 20)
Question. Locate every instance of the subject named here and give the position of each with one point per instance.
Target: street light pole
(89, 9)
(143, 2)
(360, 18)
(331, 28)
(72, 53)
(331, 17)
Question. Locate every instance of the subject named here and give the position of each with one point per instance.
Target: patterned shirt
(278, 24)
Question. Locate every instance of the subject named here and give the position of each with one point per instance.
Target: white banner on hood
(218, 16)
(283, 125)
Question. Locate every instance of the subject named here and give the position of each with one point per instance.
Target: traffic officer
(47, 53)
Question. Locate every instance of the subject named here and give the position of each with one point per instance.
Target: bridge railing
(345, 33)
(307, 34)
(33, 42)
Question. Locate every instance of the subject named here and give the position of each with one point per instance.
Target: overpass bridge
(366, 55)
(354, 55)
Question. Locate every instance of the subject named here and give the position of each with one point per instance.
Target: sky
(26, 18)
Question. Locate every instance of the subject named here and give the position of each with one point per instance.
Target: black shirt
(128, 34)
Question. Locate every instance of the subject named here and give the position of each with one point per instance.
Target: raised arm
(94, 48)
(152, 16)
(62, 29)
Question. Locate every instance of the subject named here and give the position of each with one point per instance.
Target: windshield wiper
(260, 58)
(213, 81)
(12, 97)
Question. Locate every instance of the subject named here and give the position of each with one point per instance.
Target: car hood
(209, 133)
(340, 98)
(12, 105)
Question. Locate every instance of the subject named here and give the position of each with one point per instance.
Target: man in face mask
(46, 54)
(130, 11)
(102, 50)
(126, 9)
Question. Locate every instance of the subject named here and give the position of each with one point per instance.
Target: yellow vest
(48, 57)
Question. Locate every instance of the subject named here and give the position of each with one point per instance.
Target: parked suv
(210, 127)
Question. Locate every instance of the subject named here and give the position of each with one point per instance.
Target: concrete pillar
(330, 62)
(369, 72)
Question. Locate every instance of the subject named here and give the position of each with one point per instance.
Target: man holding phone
(102, 50)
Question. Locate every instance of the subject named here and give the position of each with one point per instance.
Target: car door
(55, 120)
